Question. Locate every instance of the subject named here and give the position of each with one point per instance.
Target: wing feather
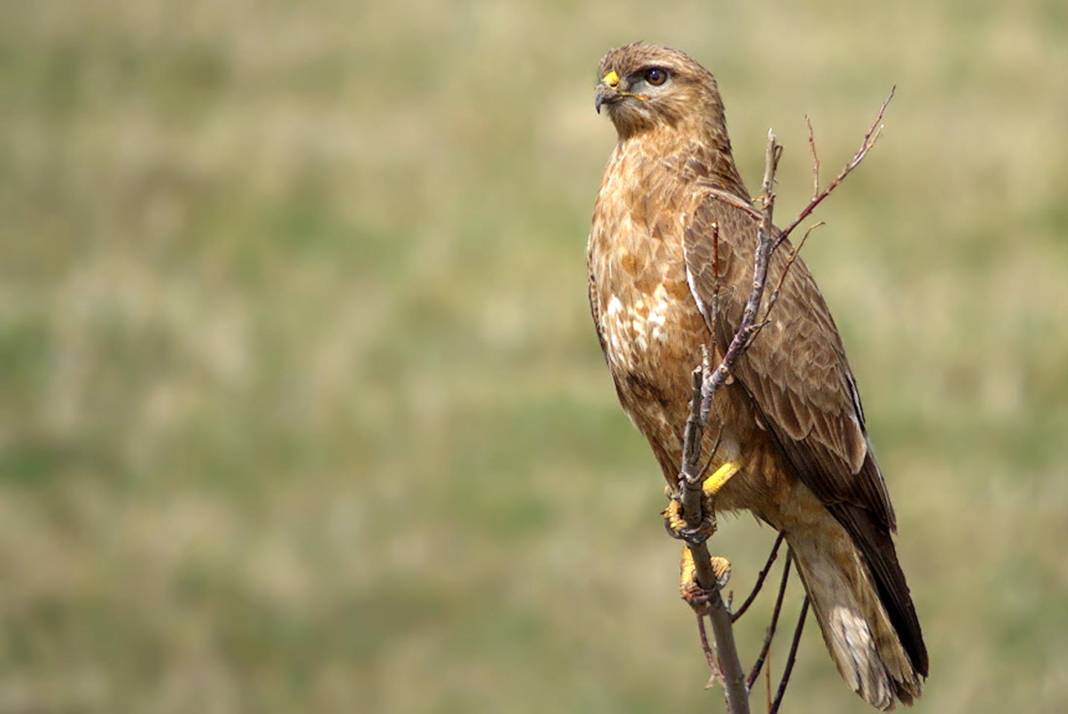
(804, 393)
(796, 370)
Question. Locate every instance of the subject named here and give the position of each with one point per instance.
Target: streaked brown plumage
(792, 414)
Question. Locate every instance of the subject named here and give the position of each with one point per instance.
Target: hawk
(790, 418)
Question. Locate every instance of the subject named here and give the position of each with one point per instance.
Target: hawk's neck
(688, 153)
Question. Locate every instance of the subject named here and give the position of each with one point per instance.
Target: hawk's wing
(803, 391)
(796, 369)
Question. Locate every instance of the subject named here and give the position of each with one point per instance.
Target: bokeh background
(301, 405)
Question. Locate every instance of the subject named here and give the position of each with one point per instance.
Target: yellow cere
(611, 79)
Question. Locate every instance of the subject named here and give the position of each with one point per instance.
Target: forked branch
(770, 634)
(760, 579)
(870, 137)
(790, 658)
(725, 664)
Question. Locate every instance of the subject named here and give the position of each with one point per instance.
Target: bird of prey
(788, 424)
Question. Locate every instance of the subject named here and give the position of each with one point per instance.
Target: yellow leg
(718, 478)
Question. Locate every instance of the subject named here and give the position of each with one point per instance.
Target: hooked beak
(605, 95)
(607, 91)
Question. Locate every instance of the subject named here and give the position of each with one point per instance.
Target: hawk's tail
(859, 634)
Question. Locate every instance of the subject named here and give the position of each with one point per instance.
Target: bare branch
(690, 478)
(769, 635)
(726, 662)
(705, 383)
(748, 325)
(774, 297)
(870, 138)
(707, 465)
(767, 682)
(710, 656)
(790, 658)
(729, 198)
(735, 690)
(718, 275)
(760, 578)
(815, 159)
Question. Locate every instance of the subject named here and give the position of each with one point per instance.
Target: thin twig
(774, 297)
(748, 324)
(735, 691)
(712, 452)
(790, 658)
(710, 656)
(726, 657)
(815, 158)
(690, 478)
(767, 683)
(870, 138)
(769, 635)
(705, 384)
(729, 198)
(716, 274)
(760, 578)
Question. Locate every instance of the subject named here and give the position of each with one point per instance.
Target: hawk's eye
(656, 76)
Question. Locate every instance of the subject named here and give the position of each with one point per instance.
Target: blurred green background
(303, 411)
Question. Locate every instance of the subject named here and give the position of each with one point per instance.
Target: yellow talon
(722, 568)
(678, 527)
(690, 590)
(688, 571)
(719, 477)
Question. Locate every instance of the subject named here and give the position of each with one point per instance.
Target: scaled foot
(691, 591)
(677, 526)
(675, 522)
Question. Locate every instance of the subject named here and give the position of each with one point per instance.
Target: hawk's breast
(649, 323)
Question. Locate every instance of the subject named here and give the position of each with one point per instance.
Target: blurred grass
(267, 265)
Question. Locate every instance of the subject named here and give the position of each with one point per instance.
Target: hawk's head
(643, 86)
